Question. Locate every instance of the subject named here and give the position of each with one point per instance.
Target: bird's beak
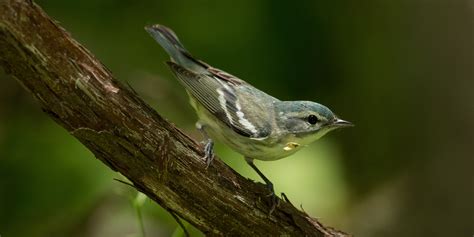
(342, 123)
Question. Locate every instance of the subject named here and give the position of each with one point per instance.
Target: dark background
(402, 71)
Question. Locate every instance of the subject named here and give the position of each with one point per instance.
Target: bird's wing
(216, 91)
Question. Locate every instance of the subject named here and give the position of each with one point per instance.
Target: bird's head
(307, 121)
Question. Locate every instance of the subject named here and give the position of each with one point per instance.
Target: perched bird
(230, 110)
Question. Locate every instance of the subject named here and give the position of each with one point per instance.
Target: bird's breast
(268, 148)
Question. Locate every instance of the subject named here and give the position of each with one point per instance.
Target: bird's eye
(312, 119)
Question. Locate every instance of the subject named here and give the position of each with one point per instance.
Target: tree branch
(122, 131)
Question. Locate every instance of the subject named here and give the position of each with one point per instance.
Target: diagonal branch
(122, 131)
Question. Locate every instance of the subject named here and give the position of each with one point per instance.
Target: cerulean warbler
(251, 122)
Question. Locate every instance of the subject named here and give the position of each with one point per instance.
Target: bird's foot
(274, 200)
(209, 152)
(284, 197)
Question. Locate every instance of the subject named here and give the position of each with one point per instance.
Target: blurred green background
(402, 71)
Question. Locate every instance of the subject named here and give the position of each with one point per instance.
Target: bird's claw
(209, 152)
(274, 200)
(285, 198)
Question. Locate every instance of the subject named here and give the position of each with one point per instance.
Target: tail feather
(168, 40)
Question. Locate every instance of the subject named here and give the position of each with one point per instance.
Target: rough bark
(122, 131)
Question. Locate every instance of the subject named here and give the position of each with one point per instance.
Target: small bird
(230, 110)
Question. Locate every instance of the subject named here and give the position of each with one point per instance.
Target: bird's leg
(208, 145)
(268, 183)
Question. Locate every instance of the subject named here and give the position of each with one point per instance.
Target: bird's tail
(170, 43)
